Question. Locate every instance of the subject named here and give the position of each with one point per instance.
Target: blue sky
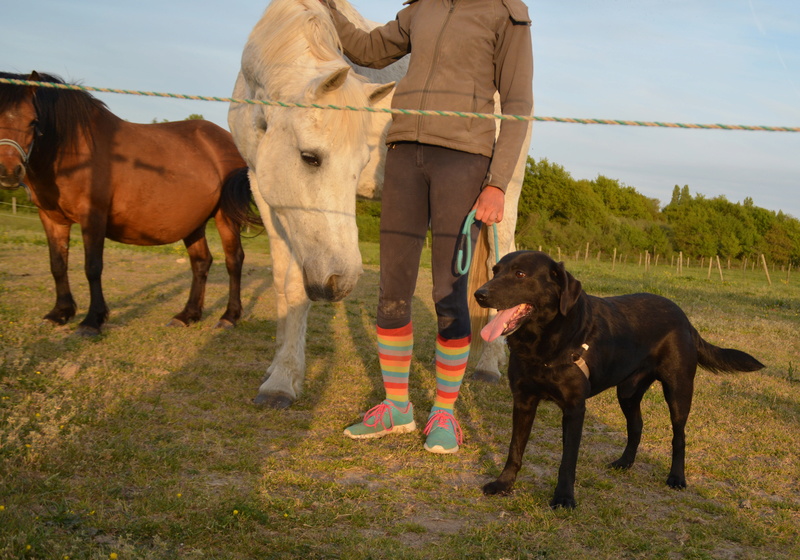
(689, 61)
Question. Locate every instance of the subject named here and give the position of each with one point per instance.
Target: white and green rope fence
(406, 111)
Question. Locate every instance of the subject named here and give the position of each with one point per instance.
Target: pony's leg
(493, 357)
(200, 258)
(58, 245)
(94, 243)
(234, 259)
(233, 213)
(284, 380)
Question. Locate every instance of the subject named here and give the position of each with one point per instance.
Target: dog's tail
(478, 276)
(718, 360)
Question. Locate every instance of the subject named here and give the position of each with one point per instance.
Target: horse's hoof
(224, 324)
(84, 330)
(55, 320)
(175, 322)
(485, 376)
(278, 401)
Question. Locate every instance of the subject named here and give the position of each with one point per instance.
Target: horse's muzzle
(11, 178)
(332, 290)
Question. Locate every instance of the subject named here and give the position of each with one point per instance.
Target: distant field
(144, 443)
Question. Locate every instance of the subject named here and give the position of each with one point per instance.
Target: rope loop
(463, 264)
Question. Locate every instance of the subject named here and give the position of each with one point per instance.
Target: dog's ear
(570, 289)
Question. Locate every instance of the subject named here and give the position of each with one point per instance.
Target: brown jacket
(463, 51)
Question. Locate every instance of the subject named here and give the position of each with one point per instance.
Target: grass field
(143, 442)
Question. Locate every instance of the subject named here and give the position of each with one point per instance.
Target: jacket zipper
(431, 72)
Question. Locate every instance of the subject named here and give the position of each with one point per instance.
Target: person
(437, 170)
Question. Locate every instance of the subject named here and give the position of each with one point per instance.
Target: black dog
(567, 346)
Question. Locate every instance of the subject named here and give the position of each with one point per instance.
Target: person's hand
(490, 205)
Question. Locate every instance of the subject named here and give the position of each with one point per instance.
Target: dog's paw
(676, 482)
(496, 488)
(566, 502)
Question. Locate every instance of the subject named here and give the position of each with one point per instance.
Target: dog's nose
(480, 296)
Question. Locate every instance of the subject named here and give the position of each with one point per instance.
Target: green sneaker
(386, 418)
(443, 431)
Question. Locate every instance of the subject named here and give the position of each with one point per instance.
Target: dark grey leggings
(426, 185)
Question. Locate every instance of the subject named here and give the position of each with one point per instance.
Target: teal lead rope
(463, 264)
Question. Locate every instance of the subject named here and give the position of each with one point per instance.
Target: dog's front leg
(572, 429)
(521, 424)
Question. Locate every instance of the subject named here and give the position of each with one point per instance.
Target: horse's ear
(331, 82)
(379, 91)
(34, 77)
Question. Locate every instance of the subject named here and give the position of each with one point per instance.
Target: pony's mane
(62, 115)
(293, 40)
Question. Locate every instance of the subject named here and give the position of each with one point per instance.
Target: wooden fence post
(766, 268)
(720, 270)
(614, 261)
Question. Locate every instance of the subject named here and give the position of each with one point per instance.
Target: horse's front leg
(58, 245)
(284, 380)
(493, 357)
(94, 242)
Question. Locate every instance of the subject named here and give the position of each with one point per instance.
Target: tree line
(556, 210)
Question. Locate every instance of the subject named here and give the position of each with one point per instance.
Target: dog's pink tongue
(496, 326)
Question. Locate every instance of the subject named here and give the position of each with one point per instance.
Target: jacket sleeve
(377, 48)
(514, 79)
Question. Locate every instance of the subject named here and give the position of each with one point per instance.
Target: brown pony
(141, 184)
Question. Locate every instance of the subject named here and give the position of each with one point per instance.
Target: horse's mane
(62, 115)
(277, 56)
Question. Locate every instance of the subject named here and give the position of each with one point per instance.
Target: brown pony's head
(17, 128)
(39, 123)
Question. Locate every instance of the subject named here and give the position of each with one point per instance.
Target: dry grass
(143, 442)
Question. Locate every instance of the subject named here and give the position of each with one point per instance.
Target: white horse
(304, 166)
(307, 165)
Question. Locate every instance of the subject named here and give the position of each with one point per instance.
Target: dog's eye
(520, 274)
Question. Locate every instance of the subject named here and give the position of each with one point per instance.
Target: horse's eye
(520, 274)
(310, 158)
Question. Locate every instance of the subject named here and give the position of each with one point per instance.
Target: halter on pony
(22, 153)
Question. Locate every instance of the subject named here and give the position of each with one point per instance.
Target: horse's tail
(478, 276)
(718, 360)
(236, 199)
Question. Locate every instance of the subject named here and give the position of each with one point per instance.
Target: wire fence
(284, 104)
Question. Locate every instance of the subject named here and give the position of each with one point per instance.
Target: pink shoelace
(440, 419)
(375, 415)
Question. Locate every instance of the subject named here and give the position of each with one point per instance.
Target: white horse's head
(306, 162)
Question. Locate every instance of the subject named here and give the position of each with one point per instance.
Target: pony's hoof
(278, 401)
(84, 330)
(175, 322)
(485, 376)
(224, 324)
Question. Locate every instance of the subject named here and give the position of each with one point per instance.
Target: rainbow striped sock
(451, 363)
(394, 355)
